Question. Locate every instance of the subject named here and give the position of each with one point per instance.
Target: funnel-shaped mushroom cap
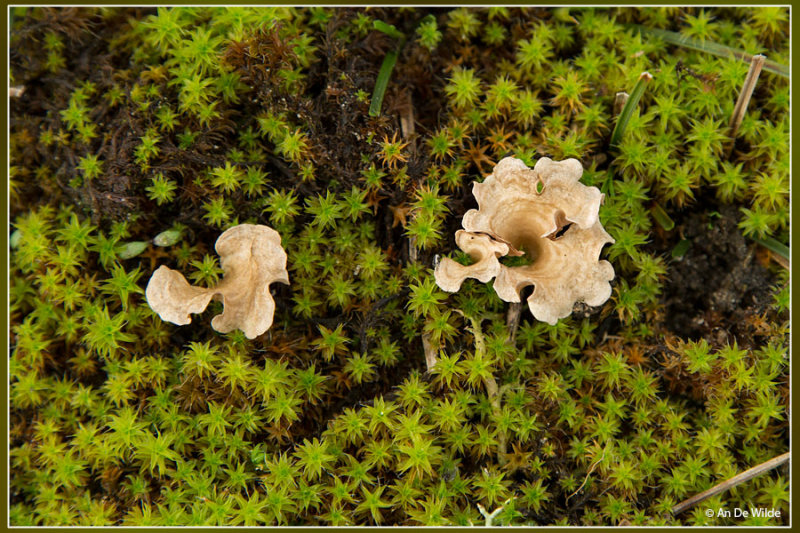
(483, 249)
(552, 218)
(252, 258)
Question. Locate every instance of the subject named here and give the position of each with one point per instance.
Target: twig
(756, 64)
(412, 250)
(747, 475)
(407, 120)
(619, 102)
(780, 260)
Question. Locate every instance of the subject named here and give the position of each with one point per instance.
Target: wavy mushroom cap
(252, 258)
(551, 218)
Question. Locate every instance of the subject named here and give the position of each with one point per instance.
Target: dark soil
(718, 281)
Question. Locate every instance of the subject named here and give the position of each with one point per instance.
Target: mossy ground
(138, 121)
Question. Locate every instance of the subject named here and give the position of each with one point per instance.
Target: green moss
(187, 121)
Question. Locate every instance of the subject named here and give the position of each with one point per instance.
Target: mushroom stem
(512, 320)
(430, 351)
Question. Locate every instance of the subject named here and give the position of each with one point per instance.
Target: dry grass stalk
(747, 475)
(756, 64)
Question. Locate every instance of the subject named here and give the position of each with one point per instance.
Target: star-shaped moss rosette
(252, 258)
(546, 214)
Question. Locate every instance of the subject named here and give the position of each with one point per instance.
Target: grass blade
(774, 246)
(716, 49)
(381, 82)
(630, 105)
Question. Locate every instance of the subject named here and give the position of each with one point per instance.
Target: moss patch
(134, 122)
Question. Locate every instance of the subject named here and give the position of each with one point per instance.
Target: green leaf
(131, 249)
(168, 237)
(15, 238)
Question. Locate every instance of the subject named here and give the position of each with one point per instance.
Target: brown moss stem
(493, 392)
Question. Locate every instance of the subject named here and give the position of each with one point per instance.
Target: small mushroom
(550, 217)
(252, 258)
(483, 249)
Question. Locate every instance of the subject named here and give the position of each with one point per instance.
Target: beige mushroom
(483, 249)
(552, 218)
(252, 258)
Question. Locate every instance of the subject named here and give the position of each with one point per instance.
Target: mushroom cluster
(548, 216)
(252, 258)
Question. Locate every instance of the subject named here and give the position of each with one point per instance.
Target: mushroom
(551, 218)
(252, 258)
